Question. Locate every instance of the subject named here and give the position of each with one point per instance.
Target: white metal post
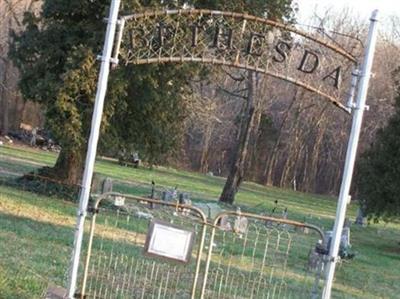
(92, 145)
(351, 154)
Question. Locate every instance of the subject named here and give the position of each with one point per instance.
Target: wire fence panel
(117, 266)
(252, 256)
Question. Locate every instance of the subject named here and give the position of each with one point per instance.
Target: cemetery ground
(36, 231)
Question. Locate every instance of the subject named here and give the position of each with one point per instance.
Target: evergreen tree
(56, 56)
(378, 175)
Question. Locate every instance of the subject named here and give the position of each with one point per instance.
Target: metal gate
(236, 255)
(254, 256)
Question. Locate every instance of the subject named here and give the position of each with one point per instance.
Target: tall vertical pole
(92, 146)
(351, 154)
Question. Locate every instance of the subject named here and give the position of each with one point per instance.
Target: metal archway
(238, 40)
(223, 42)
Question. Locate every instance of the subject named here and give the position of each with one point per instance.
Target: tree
(378, 175)
(56, 56)
(251, 113)
(149, 118)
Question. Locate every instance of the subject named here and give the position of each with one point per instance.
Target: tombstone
(284, 216)
(166, 196)
(184, 199)
(328, 238)
(360, 219)
(203, 207)
(240, 225)
(285, 213)
(119, 201)
(213, 210)
(345, 238)
(225, 224)
(174, 193)
(313, 260)
(314, 257)
(107, 186)
(135, 159)
(347, 222)
(344, 242)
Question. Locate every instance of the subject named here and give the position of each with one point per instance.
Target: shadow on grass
(33, 255)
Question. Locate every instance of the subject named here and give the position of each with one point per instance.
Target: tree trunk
(4, 100)
(272, 157)
(236, 173)
(68, 168)
(206, 146)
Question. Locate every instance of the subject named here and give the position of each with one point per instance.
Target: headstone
(214, 209)
(347, 222)
(314, 257)
(240, 225)
(166, 196)
(107, 186)
(284, 216)
(203, 207)
(184, 199)
(135, 159)
(360, 219)
(328, 238)
(225, 224)
(211, 210)
(345, 239)
(285, 213)
(97, 183)
(119, 201)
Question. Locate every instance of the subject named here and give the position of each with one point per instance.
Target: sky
(359, 8)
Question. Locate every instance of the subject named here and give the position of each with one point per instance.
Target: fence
(236, 255)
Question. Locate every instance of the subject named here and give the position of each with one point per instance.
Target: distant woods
(296, 139)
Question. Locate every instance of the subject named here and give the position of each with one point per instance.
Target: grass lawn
(36, 232)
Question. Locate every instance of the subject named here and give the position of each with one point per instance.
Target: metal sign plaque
(169, 241)
(238, 40)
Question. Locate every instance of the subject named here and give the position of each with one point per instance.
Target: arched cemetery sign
(238, 40)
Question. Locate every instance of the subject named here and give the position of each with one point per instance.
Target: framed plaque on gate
(169, 241)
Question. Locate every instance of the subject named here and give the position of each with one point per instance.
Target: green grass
(36, 232)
